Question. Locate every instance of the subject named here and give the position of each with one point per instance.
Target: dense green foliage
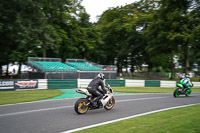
(150, 32)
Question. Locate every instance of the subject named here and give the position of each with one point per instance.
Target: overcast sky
(97, 7)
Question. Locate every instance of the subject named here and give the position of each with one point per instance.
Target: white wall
(167, 83)
(196, 84)
(42, 84)
(134, 83)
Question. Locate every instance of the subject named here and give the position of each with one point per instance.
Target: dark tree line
(148, 32)
(153, 32)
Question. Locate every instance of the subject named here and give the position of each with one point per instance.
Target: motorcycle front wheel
(176, 93)
(187, 93)
(80, 107)
(110, 104)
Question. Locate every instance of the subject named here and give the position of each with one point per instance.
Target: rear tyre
(176, 93)
(110, 104)
(80, 107)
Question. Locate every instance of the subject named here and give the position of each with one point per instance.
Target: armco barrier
(26, 84)
(17, 84)
(7, 85)
(134, 83)
(152, 83)
(115, 82)
(62, 84)
(72, 83)
(42, 84)
(167, 83)
(196, 84)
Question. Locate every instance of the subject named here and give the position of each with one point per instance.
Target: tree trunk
(19, 70)
(150, 67)
(7, 68)
(44, 53)
(132, 70)
(186, 59)
(119, 69)
(126, 66)
(0, 70)
(172, 65)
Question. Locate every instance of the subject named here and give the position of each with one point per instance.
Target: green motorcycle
(180, 90)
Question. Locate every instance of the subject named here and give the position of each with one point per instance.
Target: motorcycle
(180, 90)
(82, 105)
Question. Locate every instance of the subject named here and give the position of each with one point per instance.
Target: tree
(169, 30)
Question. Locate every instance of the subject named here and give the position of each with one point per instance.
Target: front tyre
(80, 107)
(176, 93)
(187, 93)
(110, 104)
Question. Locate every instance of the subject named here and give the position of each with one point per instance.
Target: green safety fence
(115, 82)
(62, 84)
(152, 83)
(73, 83)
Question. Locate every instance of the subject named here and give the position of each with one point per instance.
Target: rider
(185, 82)
(94, 89)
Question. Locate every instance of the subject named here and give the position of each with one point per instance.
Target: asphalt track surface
(56, 116)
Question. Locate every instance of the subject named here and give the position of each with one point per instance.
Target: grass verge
(181, 120)
(11, 97)
(148, 89)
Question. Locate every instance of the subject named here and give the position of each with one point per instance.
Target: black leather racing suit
(93, 88)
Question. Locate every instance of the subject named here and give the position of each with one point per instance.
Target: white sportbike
(82, 105)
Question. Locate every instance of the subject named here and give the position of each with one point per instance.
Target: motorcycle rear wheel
(80, 107)
(176, 93)
(110, 104)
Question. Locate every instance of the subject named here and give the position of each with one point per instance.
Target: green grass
(181, 120)
(148, 89)
(10, 97)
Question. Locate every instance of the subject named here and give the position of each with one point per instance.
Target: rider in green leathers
(186, 82)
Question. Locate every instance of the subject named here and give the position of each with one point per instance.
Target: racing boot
(100, 103)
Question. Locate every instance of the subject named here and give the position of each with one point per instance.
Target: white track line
(107, 122)
(38, 101)
(68, 99)
(38, 110)
(127, 100)
(61, 107)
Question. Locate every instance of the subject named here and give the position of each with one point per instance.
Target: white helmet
(101, 76)
(187, 76)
